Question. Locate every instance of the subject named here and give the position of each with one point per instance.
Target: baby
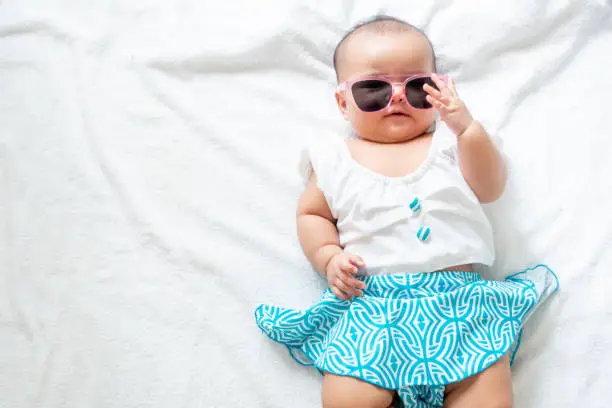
(392, 218)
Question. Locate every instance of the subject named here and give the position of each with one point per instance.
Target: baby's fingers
(347, 266)
(432, 91)
(349, 290)
(357, 261)
(436, 104)
(451, 86)
(352, 282)
(339, 293)
(439, 82)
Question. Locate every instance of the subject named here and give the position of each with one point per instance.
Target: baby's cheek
(426, 117)
(371, 126)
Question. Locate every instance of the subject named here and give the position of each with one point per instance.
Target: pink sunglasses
(374, 93)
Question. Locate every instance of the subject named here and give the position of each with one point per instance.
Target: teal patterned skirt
(413, 333)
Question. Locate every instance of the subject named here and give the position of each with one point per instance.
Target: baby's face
(400, 55)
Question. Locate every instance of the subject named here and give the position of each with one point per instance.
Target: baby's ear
(342, 103)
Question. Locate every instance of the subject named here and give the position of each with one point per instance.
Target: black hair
(382, 24)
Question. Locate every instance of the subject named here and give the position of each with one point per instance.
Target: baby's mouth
(396, 114)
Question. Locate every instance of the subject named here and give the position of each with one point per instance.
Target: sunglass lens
(371, 95)
(416, 95)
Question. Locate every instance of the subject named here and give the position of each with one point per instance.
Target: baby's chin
(396, 133)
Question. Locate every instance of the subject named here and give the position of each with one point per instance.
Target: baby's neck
(398, 141)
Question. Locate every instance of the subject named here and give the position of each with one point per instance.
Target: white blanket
(148, 182)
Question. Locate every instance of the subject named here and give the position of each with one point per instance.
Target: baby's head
(384, 46)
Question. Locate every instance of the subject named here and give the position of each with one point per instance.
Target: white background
(148, 181)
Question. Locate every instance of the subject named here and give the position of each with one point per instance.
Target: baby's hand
(340, 273)
(446, 101)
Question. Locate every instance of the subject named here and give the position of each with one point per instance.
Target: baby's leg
(349, 392)
(492, 388)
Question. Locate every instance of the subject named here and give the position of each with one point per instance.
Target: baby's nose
(398, 92)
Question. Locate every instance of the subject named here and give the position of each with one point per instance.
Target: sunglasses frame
(346, 87)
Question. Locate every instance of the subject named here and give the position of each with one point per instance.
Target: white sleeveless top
(376, 222)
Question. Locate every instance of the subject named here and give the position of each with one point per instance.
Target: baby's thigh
(492, 388)
(349, 392)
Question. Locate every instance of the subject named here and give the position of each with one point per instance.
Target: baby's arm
(316, 227)
(481, 163)
(319, 239)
